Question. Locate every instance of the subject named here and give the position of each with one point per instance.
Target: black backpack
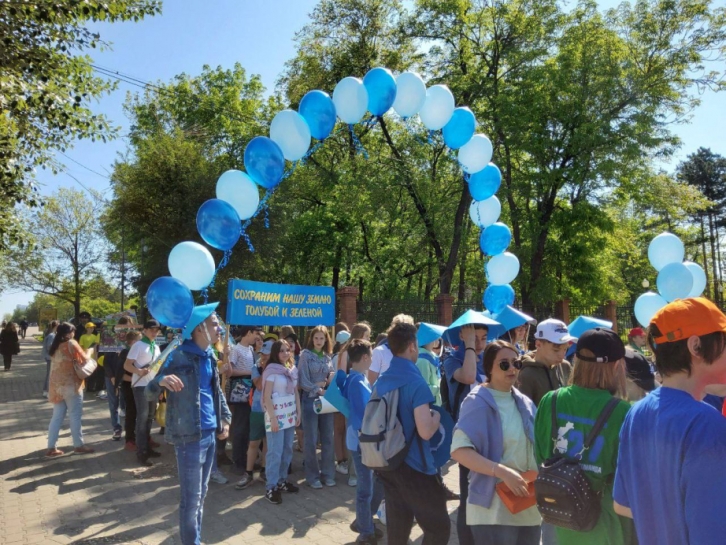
(564, 495)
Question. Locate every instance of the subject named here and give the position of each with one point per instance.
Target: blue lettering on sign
(262, 303)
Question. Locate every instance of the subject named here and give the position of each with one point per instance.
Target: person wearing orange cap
(670, 473)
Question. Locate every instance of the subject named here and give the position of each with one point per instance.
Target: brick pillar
(444, 310)
(348, 309)
(562, 310)
(611, 314)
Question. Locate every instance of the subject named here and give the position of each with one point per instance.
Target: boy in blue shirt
(413, 490)
(670, 472)
(357, 391)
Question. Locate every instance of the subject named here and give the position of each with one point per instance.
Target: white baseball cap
(554, 331)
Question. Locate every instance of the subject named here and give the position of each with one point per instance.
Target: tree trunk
(705, 256)
(714, 262)
(720, 266)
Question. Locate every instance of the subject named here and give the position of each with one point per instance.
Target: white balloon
(410, 94)
(291, 132)
(191, 263)
(485, 213)
(475, 154)
(351, 100)
(238, 189)
(502, 269)
(438, 107)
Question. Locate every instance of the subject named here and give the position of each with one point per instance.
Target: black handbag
(564, 494)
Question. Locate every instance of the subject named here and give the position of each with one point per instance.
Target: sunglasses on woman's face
(504, 365)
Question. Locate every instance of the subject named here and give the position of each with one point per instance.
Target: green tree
(66, 258)
(706, 171)
(575, 102)
(184, 135)
(46, 88)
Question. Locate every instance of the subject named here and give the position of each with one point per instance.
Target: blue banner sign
(260, 303)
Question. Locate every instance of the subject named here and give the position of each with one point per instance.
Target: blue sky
(259, 35)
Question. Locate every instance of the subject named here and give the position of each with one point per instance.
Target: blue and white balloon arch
(223, 220)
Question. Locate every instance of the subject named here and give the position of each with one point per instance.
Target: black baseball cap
(603, 342)
(152, 324)
(638, 370)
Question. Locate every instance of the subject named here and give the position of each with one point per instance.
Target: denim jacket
(183, 420)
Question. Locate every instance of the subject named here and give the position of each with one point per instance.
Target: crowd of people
(631, 416)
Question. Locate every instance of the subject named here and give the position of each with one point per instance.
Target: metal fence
(379, 313)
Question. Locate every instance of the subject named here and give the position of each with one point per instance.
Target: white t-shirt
(381, 359)
(279, 385)
(242, 358)
(142, 355)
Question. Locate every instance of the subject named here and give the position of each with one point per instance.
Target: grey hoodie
(537, 378)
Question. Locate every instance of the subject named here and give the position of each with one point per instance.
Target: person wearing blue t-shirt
(670, 472)
(196, 412)
(413, 490)
(357, 390)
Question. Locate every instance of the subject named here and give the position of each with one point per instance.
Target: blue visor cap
(428, 333)
(472, 317)
(199, 314)
(582, 324)
(509, 318)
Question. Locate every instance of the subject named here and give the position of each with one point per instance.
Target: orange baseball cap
(684, 318)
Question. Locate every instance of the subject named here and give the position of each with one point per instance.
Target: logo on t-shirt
(571, 442)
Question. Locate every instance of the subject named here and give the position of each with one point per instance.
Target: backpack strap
(599, 424)
(554, 421)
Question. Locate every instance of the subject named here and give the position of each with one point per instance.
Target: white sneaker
(218, 477)
(121, 412)
(102, 395)
(342, 467)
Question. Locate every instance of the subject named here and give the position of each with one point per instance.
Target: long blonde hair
(609, 376)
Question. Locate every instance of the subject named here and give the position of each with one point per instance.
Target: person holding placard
(282, 414)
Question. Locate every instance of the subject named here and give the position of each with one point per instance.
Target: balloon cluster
(191, 265)
(677, 279)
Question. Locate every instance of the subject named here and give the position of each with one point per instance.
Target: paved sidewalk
(105, 498)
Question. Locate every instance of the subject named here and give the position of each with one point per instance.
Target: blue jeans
(279, 456)
(549, 534)
(497, 534)
(73, 405)
(144, 418)
(195, 465)
(368, 496)
(113, 400)
(318, 424)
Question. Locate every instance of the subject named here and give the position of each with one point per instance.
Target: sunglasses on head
(504, 365)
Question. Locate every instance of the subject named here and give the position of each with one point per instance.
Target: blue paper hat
(199, 314)
(428, 333)
(471, 317)
(334, 393)
(510, 318)
(582, 324)
(440, 443)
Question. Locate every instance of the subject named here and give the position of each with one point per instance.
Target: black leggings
(7, 360)
(130, 418)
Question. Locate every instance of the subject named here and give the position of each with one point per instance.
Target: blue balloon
(494, 240)
(460, 128)
(674, 281)
(319, 111)
(264, 162)
(219, 224)
(381, 87)
(170, 301)
(496, 298)
(485, 183)
(646, 306)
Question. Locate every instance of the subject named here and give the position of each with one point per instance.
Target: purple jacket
(479, 419)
